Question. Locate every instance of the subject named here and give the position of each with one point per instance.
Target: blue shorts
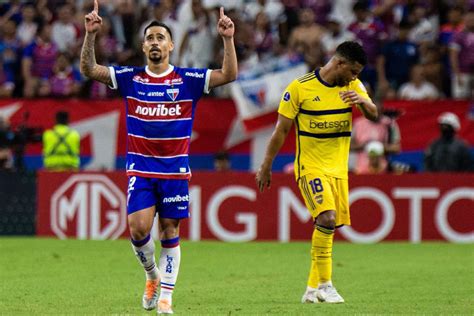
(170, 196)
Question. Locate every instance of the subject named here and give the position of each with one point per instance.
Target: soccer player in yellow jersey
(320, 104)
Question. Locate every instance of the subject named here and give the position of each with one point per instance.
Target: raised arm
(89, 66)
(228, 73)
(264, 174)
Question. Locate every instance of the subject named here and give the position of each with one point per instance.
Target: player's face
(157, 44)
(347, 72)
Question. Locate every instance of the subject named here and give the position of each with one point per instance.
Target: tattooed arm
(89, 66)
(228, 73)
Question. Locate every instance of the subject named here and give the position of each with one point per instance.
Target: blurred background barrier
(101, 125)
(18, 203)
(227, 206)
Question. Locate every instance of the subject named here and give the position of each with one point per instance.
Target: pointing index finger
(221, 12)
(96, 6)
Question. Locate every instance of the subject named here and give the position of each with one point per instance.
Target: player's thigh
(140, 194)
(173, 199)
(317, 193)
(141, 201)
(341, 197)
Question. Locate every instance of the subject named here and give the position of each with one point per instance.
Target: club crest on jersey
(172, 93)
(319, 198)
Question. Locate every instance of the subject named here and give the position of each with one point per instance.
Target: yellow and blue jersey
(323, 124)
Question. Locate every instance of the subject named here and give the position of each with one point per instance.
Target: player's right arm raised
(89, 66)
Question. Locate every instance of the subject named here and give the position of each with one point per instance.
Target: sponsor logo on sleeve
(123, 70)
(194, 74)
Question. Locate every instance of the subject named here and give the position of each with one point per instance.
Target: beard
(155, 56)
(155, 59)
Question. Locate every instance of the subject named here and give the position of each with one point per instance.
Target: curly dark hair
(352, 51)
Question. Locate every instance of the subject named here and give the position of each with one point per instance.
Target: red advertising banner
(228, 207)
(103, 132)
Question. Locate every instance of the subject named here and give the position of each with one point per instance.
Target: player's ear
(171, 46)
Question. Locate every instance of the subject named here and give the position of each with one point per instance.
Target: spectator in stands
(448, 153)
(424, 30)
(28, 27)
(321, 9)
(196, 48)
(222, 161)
(372, 34)
(334, 36)
(384, 130)
(11, 50)
(454, 25)
(265, 41)
(395, 62)
(461, 53)
(64, 33)
(273, 9)
(38, 61)
(434, 69)
(305, 39)
(377, 164)
(418, 88)
(6, 140)
(7, 81)
(61, 145)
(108, 48)
(66, 79)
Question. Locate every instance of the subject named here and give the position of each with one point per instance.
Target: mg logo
(89, 206)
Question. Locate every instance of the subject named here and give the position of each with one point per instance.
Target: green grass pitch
(48, 276)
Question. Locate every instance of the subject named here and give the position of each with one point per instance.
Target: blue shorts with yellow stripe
(324, 193)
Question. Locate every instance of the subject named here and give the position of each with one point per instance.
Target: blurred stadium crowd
(430, 40)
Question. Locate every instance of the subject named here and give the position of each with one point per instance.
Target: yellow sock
(321, 256)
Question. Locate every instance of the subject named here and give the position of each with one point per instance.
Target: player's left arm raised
(365, 105)
(228, 73)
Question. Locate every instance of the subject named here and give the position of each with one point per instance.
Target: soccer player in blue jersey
(160, 101)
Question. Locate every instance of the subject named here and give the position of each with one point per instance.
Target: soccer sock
(145, 252)
(322, 248)
(313, 279)
(169, 266)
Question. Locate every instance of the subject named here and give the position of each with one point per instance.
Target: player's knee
(139, 230)
(327, 219)
(169, 232)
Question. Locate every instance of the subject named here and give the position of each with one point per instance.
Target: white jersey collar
(163, 74)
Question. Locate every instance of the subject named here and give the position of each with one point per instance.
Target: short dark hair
(62, 117)
(161, 24)
(352, 51)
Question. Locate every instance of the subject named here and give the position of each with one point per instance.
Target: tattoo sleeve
(89, 66)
